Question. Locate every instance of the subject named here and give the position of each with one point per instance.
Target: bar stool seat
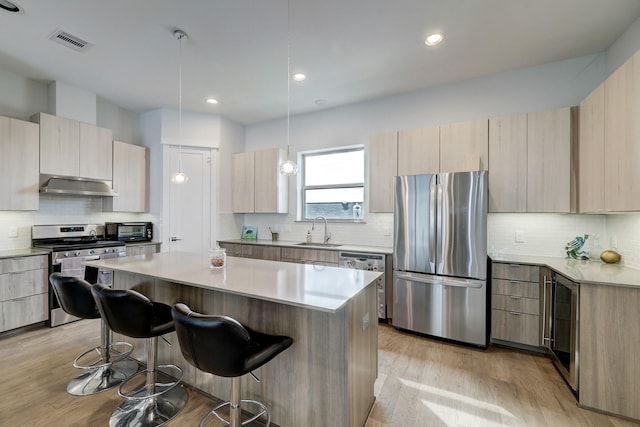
(220, 345)
(109, 367)
(159, 398)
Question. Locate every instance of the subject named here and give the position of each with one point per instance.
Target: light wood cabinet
(257, 183)
(248, 250)
(383, 166)
(59, 145)
(310, 256)
(515, 303)
(609, 347)
(142, 249)
(419, 151)
(591, 174)
(508, 157)
(271, 187)
(74, 149)
(130, 179)
(464, 146)
(622, 138)
(96, 152)
(19, 165)
(23, 291)
(550, 171)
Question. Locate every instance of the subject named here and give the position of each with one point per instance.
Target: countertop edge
(296, 244)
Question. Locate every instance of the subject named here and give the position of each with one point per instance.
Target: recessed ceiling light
(433, 39)
(299, 77)
(212, 101)
(9, 7)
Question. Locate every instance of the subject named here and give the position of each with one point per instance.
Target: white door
(190, 203)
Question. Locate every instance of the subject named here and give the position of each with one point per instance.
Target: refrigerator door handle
(440, 281)
(433, 223)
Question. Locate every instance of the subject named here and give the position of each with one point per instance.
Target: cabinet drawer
(527, 273)
(516, 303)
(309, 255)
(23, 311)
(515, 327)
(11, 265)
(515, 288)
(22, 284)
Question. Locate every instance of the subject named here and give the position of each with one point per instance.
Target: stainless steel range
(69, 247)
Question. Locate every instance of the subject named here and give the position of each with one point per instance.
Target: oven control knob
(91, 251)
(106, 250)
(66, 254)
(77, 253)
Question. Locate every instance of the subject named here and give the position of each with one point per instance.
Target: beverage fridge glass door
(565, 329)
(414, 223)
(462, 221)
(441, 306)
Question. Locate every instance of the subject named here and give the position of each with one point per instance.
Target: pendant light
(180, 177)
(288, 167)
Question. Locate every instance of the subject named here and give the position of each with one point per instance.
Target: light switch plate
(519, 236)
(12, 232)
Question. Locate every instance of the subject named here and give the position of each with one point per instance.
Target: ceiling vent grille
(70, 41)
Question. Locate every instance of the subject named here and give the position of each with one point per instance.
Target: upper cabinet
(508, 154)
(455, 147)
(622, 138)
(550, 171)
(383, 166)
(59, 145)
(74, 149)
(18, 165)
(96, 152)
(130, 179)
(531, 162)
(591, 175)
(464, 146)
(258, 186)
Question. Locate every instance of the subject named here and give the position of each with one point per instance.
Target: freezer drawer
(444, 307)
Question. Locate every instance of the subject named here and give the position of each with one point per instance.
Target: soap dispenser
(308, 236)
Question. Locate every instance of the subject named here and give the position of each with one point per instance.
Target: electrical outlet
(12, 232)
(365, 321)
(387, 231)
(519, 236)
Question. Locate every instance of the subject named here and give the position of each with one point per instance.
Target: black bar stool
(221, 346)
(158, 398)
(109, 367)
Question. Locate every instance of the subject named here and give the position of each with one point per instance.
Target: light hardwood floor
(421, 382)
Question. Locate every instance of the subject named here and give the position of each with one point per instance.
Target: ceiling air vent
(70, 41)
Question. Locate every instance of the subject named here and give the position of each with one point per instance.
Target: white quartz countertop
(15, 253)
(309, 286)
(296, 244)
(588, 272)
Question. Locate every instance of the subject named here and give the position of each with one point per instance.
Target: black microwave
(128, 231)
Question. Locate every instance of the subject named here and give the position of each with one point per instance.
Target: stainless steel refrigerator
(440, 255)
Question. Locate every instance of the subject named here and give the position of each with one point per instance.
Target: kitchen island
(325, 378)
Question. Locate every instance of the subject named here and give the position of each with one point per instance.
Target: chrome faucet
(327, 236)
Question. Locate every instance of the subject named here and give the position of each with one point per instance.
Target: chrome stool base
(103, 378)
(261, 407)
(150, 412)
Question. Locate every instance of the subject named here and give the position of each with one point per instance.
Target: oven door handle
(92, 257)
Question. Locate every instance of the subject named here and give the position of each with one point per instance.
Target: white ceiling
(352, 50)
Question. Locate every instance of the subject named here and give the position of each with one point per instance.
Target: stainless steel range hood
(76, 187)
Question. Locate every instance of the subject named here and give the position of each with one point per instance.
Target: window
(333, 183)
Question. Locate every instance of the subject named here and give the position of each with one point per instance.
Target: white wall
(21, 97)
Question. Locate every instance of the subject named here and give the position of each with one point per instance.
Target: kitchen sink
(322, 245)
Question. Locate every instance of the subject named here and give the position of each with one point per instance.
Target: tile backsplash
(58, 210)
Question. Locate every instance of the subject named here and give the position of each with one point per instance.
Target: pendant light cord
(180, 37)
(288, 74)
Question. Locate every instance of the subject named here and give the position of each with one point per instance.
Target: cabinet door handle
(515, 313)
(514, 297)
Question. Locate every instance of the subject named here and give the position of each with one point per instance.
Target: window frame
(304, 187)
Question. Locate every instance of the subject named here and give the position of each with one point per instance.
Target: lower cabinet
(23, 291)
(515, 303)
(310, 256)
(142, 249)
(270, 253)
(276, 253)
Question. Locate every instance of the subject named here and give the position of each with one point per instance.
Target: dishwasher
(371, 262)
